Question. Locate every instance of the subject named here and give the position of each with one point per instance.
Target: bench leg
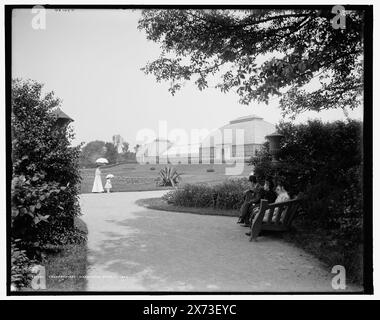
(256, 225)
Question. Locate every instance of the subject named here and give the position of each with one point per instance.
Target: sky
(91, 59)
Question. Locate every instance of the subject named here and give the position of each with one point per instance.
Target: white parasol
(109, 176)
(102, 161)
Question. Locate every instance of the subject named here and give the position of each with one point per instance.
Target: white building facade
(236, 141)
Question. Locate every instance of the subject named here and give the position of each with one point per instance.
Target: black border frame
(367, 144)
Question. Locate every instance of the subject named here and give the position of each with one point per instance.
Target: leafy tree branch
(260, 54)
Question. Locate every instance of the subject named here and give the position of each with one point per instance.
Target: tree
(261, 54)
(126, 154)
(111, 152)
(125, 147)
(92, 151)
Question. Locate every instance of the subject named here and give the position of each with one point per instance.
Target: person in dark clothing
(251, 198)
(268, 192)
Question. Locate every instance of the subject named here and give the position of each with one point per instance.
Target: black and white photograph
(156, 149)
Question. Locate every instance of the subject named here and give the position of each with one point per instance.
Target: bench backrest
(280, 212)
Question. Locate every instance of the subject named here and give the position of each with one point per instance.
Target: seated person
(268, 193)
(282, 195)
(251, 197)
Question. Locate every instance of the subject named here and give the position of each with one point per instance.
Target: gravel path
(132, 248)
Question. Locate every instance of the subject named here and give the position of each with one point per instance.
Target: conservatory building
(236, 141)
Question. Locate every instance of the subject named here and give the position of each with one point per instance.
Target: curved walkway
(132, 248)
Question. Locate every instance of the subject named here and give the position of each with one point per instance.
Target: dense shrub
(190, 195)
(32, 199)
(226, 195)
(324, 162)
(21, 273)
(45, 177)
(45, 166)
(230, 194)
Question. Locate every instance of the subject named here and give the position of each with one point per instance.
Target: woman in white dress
(98, 186)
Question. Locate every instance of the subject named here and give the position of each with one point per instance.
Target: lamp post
(274, 145)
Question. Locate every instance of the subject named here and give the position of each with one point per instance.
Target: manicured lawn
(136, 177)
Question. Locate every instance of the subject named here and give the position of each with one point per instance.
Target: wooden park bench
(274, 217)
